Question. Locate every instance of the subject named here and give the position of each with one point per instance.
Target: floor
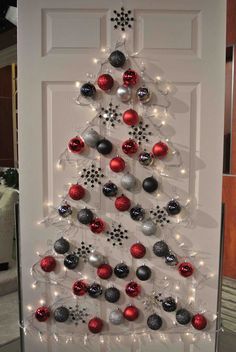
(9, 328)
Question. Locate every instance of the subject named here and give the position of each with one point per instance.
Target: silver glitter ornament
(124, 93)
(143, 94)
(128, 181)
(95, 259)
(148, 227)
(91, 138)
(116, 317)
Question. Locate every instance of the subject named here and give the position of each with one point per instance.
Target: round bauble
(154, 322)
(64, 210)
(130, 78)
(131, 313)
(199, 322)
(88, 90)
(61, 246)
(138, 250)
(48, 263)
(183, 316)
(104, 146)
(97, 225)
(95, 259)
(128, 181)
(110, 189)
(71, 261)
(150, 184)
(42, 313)
(171, 259)
(121, 270)
(95, 325)
(137, 213)
(143, 272)
(122, 203)
(80, 288)
(76, 192)
(85, 216)
(116, 317)
(129, 147)
(95, 290)
(117, 58)
(112, 294)
(91, 138)
(130, 117)
(76, 145)
(145, 158)
(160, 150)
(104, 271)
(143, 94)
(124, 93)
(133, 289)
(105, 81)
(169, 304)
(173, 207)
(148, 227)
(61, 314)
(117, 164)
(160, 249)
(186, 269)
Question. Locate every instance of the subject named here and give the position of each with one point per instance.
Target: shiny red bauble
(138, 250)
(117, 164)
(95, 325)
(130, 78)
(130, 117)
(80, 288)
(104, 271)
(48, 263)
(105, 81)
(133, 289)
(76, 192)
(131, 313)
(186, 269)
(42, 313)
(122, 203)
(199, 322)
(97, 225)
(130, 147)
(160, 150)
(76, 145)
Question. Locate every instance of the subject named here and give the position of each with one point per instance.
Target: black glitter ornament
(143, 272)
(117, 58)
(183, 316)
(78, 314)
(150, 184)
(154, 322)
(61, 314)
(64, 210)
(145, 158)
(137, 213)
(88, 90)
(91, 176)
(84, 251)
(112, 294)
(104, 146)
(169, 304)
(117, 234)
(140, 132)
(173, 207)
(121, 270)
(160, 249)
(110, 189)
(61, 246)
(71, 261)
(159, 216)
(122, 19)
(171, 259)
(85, 216)
(110, 115)
(94, 290)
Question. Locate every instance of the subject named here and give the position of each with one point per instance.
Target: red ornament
(95, 325)
(131, 313)
(80, 288)
(160, 150)
(138, 250)
(122, 203)
(42, 313)
(97, 225)
(130, 117)
(48, 264)
(105, 81)
(185, 269)
(117, 164)
(130, 78)
(76, 145)
(76, 192)
(104, 271)
(130, 146)
(133, 289)
(199, 322)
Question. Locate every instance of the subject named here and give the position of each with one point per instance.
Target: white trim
(8, 56)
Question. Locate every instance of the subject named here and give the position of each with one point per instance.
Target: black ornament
(71, 261)
(122, 19)
(64, 210)
(84, 250)
(160, 249)
(137, 213)
(117, 58)
(85, 216)
(154, 322)
(121, 271)
(117, 234)
(94, 290)
(91, 175)
(61, 314)
(183, 316)
(159, 216)
(140, 132)
(143, 272)
(112, 294)
(104, 146)
(110, 189)
(171, 259)
(173, 207)
(111, 115)
(88, 90)
(169, 304)
(78, 314)
(61, 246)
(150, 184)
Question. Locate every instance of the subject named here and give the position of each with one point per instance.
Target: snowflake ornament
(111, 115)
(83, 251)
(122, 19)
(78, 314)
(141, 132)
(91, 175)
(152, 301)
(159, 216)
(117, 235)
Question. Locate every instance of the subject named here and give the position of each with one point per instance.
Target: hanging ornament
(148, 227)
(71, 261)
(95, 290)
(104, 271)
(80, 288)
(173, 207)
(141, 132)
(104, 146)
(88, 90)
(131, 313)
(117, 164)
(76, 145)
(116, 317)
(143, 272)
(145, 158)
(160, 249)
(110, 189)
(85, 216)
(61, 314)
(152, 301)
(171, 259)
(117, 234)
(92, 175)
(121, 270)
(160, 150)
(95, 259)
(42, 314)
(122, 203)
(78, 314)
(105, 82)
(97, 225)
(137, 213)
(199, 322)
(64, 210)
(186, 269)
(130, 117)
(138, 250)
(150, 184)
(124, 93)
(48, 263)
(112, 294)
(122, 19)
(169, 304)
(128, 181)
(130, 78)
(133, 289)
(110, 115)
(183, 316)
(143, 94)
(91, 138)
(154, 322)
(76, 192)
(95, 325)
(129, 147)
(84, 251)
(159, 216)
(117, 58)
(61, 246)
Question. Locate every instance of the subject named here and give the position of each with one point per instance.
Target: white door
(182, 41)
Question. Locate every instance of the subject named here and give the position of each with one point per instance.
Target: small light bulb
(33, 286)
(77, 84)
(158, 78)
(183, 171)
(29, 308)
(101, 339)
(163, 123)
(93, 108)
(124, 36)
(56, 293)
(177, 236)
(177, 288)
(42, 301)
(201, 263)
(103, 50)
(95, 60)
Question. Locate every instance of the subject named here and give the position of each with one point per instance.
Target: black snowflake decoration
(152, 301)
(78, 314)
(83, 251)
(111, 115)
(159, 215)
(92, 175)
(122, 19)
(117, 235)
(140, 132)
